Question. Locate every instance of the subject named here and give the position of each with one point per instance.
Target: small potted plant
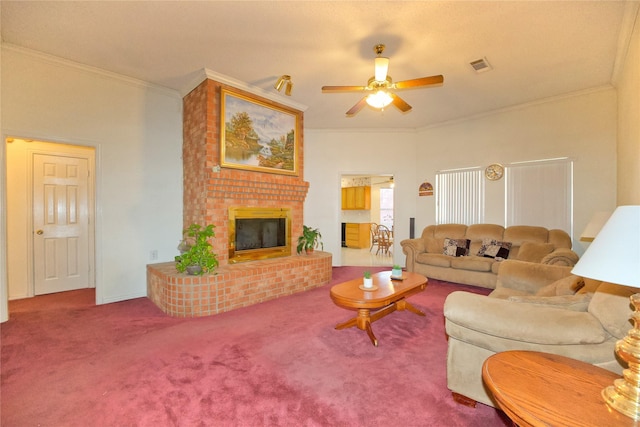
(309, 240)
(196, 255)
(396, 271)
(367, 281)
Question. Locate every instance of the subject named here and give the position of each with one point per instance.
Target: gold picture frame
(257, 136)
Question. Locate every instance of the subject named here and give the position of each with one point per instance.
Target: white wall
(4, 296)
(629, 121)
(582, 127)
(329, 154)
(136, 129)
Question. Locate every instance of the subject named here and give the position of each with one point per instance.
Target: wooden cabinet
(358, 235)
(356, 198)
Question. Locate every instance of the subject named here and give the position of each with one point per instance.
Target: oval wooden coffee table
(388, 296)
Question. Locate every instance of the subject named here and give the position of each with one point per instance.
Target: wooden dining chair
(385, 240)
(374, 235)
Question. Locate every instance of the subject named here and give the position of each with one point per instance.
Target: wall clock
(494, 172)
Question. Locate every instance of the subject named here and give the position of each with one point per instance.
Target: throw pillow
(456, 247)
(568, 302)
(566, 286)
(534, 252)
(494, 249)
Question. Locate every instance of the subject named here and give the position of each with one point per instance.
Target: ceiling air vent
(481, 65)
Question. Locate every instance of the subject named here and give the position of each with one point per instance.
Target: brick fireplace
(209, 194)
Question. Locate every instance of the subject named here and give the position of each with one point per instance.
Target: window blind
(460, 196)
(540, 193)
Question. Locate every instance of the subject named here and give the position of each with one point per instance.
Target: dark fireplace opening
(259, 233)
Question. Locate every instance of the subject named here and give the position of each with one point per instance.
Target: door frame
(371, 175)
(56, 148)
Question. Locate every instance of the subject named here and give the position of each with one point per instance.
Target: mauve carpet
(67, 362)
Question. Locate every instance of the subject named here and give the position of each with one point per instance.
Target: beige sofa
(425, 255)
(534, 307)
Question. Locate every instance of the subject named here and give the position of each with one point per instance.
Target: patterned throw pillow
(456, 247)
(494, 249)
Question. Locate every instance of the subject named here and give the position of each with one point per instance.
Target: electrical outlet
(153, 255)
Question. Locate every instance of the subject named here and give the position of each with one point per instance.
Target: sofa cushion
(435, 242)
(560, 239)
(498, 319)
(566, 286)
(506, 293)
(579, 302)
(534, 252)
(472, 263)
(437, 260)
(611, 306)
(456, 247)
(434, 245)
(518, 234)
(529, 277)
(478, 232)
(494, 249)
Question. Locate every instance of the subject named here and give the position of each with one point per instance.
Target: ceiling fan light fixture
(381, 67)
(379, 99)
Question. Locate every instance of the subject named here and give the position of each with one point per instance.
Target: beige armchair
(533, 307)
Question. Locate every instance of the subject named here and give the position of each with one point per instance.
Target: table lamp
(614, 257)
(598, 220)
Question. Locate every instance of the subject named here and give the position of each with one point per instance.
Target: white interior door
(61, 255)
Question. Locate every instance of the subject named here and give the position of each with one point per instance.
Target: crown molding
(540, 101)
(205, 73)
(630, 20)
(52, 59)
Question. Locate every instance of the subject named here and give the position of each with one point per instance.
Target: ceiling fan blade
(400, 103)
(359, 106)
(329, 89)
(423, 81)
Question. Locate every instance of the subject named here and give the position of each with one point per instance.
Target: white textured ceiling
(538, 49)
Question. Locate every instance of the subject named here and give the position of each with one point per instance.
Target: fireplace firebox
(259, 233)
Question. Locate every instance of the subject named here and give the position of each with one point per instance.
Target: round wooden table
(541, 389)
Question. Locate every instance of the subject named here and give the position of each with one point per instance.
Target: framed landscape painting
(257, 136)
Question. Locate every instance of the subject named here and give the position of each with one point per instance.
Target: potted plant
(309, 240)
(367, 281)
(197, 256)
(396, 271)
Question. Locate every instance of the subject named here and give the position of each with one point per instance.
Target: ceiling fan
(380, 84)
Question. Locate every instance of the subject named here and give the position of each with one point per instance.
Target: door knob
(39, 232)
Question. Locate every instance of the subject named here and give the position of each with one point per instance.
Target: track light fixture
(281, 82)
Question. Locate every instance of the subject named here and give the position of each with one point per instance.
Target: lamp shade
(614, 255)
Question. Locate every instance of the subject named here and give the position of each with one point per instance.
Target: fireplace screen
(259, 233)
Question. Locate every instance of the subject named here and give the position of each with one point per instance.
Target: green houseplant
(396, 271)
(367, 280)
(197, 256)
(309, 240)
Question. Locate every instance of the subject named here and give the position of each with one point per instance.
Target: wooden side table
(541, 389)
